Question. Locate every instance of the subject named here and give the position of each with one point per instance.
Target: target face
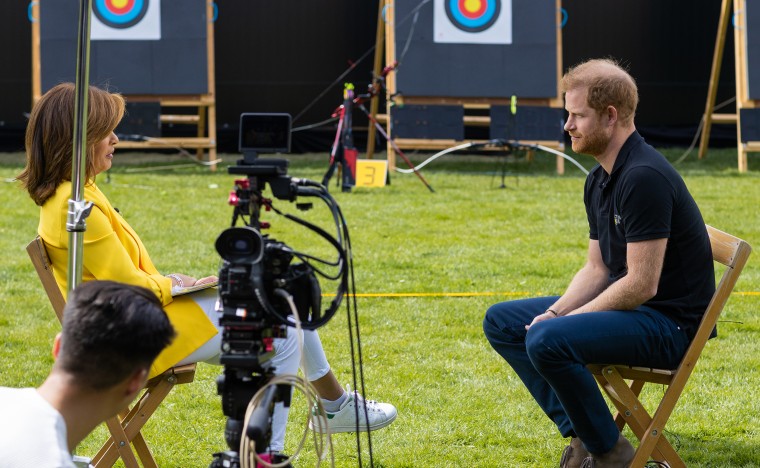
(120, 14)
(473, 15)
(126, 20)
(473, 21)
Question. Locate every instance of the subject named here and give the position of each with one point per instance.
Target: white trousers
(314, 365)
(286, 360)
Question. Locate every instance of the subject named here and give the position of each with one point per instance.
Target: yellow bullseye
(472, 5)
(119, 3)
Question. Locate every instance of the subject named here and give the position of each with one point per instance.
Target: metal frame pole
(78, 207)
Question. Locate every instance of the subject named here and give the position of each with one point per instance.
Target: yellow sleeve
(106, 256)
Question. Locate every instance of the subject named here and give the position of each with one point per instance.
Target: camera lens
(240, 245)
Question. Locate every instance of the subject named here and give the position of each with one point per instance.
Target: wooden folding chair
(727, 250)
(125, 428)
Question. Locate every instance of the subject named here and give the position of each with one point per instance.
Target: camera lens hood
(240, 245)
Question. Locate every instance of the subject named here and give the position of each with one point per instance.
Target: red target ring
(472, 9)
(120, 14)
(473, 15)
(113, 6)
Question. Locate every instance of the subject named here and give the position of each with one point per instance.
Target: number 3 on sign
(371, 173)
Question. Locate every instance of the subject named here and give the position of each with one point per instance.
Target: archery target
(473, 21)
(126, 20)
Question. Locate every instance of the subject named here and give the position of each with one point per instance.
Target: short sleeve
(590, 205)
(646, 200)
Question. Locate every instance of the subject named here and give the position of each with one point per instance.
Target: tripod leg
(336, 152)
(330, 171)
(348, 166)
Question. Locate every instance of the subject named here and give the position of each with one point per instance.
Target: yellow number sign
(371, 173)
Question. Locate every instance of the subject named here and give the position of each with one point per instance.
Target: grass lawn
(423, 347)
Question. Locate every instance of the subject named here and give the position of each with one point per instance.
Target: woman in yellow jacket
(112, 250)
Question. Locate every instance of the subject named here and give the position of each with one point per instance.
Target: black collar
(601, 178)
(633, 140)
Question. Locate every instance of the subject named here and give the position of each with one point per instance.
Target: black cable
(341, 276)
(351, 292)
(342, 242)
(699, 130)
(352, 299)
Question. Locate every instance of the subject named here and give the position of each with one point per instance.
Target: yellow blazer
(113, 251)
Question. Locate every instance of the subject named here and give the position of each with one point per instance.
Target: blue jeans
(551, 358)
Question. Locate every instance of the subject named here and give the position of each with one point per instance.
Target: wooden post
(559, 102)
(377, 69)
(720, 42)
(36, 76)
(741, 81)
(390, 80)
(742, 91)
(211, 71)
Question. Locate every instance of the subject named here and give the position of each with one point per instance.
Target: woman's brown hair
(50, 135)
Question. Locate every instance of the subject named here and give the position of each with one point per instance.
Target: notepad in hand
(178, 291)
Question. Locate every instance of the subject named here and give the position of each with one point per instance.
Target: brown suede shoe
(619, 457)
(574, 454)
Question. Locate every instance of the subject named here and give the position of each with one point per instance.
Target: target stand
(151, 51)
(465, 62)
(746, 31)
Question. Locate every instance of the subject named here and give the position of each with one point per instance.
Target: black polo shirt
(645, 198)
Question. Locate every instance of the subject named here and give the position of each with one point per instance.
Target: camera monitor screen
(265, 133)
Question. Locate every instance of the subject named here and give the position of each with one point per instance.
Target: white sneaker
(344, 420)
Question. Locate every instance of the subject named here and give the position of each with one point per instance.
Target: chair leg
(651, 441)
(654, 445)
(143, 452)
(126, 431)
(120, 447)
(636, 386)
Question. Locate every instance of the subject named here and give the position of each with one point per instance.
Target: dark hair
(110, 330)
(50, 137)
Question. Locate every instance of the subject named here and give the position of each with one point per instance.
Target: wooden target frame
(744, 102)
(197, 110)
(474, 107)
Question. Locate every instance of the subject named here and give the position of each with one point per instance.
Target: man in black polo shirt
(640, 296)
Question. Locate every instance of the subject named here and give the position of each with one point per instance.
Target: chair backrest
(125, 430)
(39, 256)
(623, 383)
(733, 253)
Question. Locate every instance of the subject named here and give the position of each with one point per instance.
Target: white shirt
(32, 432)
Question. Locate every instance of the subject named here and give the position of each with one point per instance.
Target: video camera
(261, 290)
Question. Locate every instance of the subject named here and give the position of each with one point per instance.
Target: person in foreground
(112, 250)
(647, 280)
(111, 334)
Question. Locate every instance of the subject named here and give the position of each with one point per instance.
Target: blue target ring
(473, 15)
(120, 14)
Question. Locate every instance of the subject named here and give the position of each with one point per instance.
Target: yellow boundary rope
(479, 294)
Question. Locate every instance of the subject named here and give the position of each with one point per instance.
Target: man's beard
(593, 144)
